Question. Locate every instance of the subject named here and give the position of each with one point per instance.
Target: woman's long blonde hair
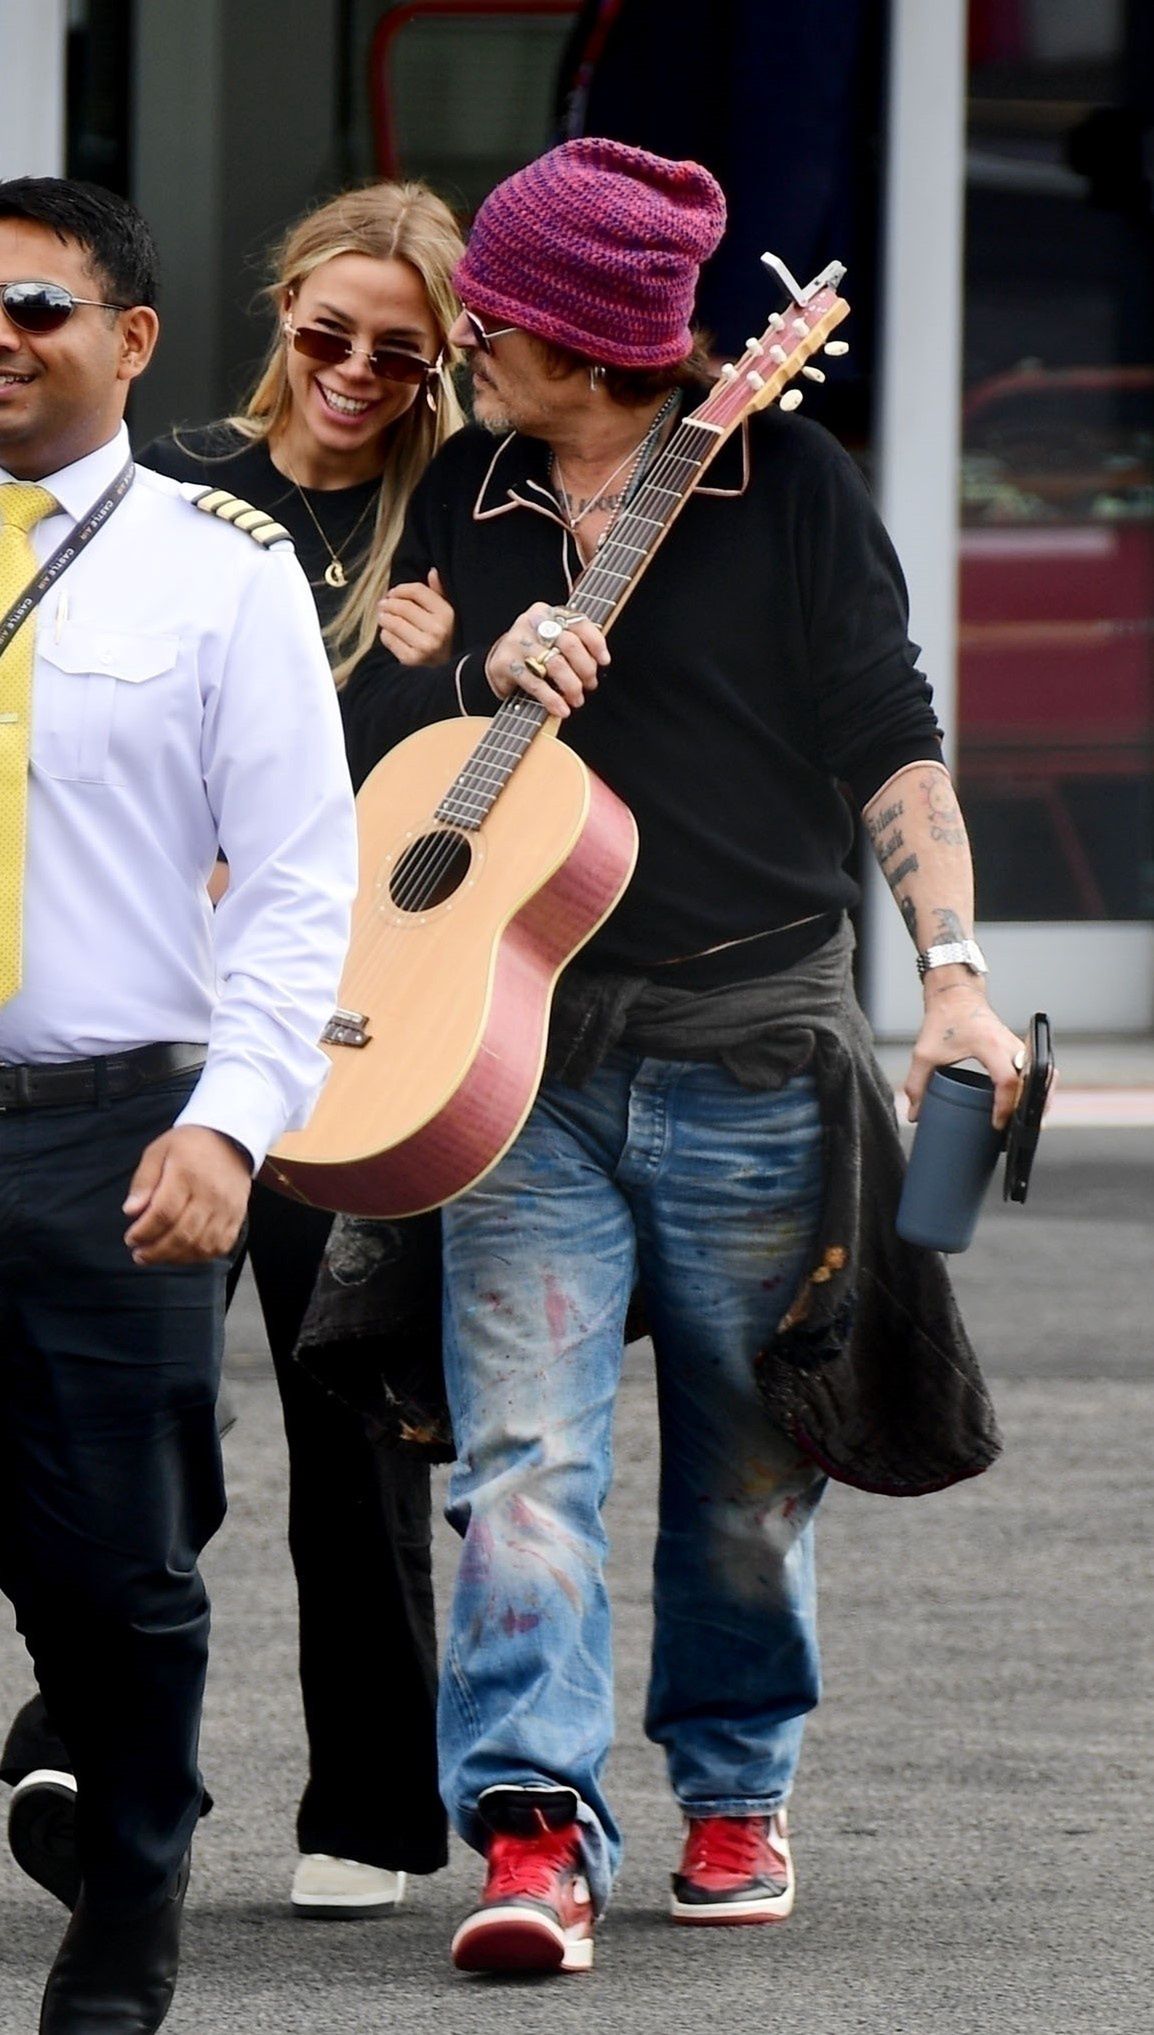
(387, 222)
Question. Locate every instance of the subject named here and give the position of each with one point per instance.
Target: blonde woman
(352, 402)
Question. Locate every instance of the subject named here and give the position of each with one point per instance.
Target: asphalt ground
(972, 1820)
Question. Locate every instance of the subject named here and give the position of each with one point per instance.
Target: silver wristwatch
(966, 952)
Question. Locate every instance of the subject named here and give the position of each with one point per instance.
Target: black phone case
(1026, 1122)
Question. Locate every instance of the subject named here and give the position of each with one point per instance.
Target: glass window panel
(1056, 648)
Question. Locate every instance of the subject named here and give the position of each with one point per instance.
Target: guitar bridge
(347, 1028)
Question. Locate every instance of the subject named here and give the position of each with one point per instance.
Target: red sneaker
(734, 1869)
(535, 1913)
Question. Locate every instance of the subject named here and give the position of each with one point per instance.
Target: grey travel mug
(954, 1153)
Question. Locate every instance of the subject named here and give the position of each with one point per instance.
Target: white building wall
(32, 42)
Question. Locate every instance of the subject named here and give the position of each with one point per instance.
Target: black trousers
(110, 1479)
(360, 1537)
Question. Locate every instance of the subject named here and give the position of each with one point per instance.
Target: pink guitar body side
(456, 995)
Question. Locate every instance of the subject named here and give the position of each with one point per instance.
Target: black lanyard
(80, 534)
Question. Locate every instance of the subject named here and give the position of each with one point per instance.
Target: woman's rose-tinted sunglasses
(387, 363)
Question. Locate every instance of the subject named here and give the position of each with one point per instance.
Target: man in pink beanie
(712, 1127)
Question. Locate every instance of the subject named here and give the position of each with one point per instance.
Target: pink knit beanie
(597, 247)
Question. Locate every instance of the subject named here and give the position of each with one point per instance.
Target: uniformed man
(169, 695)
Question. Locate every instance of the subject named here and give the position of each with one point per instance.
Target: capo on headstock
(831, 275)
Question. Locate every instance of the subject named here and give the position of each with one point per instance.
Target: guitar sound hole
(431, 869)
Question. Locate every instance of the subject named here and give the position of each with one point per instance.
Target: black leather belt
(71, 1084)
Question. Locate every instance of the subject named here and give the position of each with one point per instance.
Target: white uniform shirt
(182, 698)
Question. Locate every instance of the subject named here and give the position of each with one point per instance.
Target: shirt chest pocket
(98, 694)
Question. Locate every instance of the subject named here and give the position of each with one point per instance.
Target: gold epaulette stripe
(255, 523)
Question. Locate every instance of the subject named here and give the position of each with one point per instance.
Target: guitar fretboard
(598, 592)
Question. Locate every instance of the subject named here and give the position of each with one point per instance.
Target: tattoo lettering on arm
(876, 827)
(945, 817)
(909, 867)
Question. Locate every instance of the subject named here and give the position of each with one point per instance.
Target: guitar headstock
(783, 352)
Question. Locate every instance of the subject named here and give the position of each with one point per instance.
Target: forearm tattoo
(888, 843)
(950, 927)
(946, 823)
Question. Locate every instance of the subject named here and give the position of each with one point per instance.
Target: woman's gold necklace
(335, 575)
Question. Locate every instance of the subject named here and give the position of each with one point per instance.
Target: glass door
(1055, 711)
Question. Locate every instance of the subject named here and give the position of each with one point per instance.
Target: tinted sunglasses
(45, 307)
(485, 339)
(387, 363)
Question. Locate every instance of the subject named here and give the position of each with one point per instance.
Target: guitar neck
(601, 591)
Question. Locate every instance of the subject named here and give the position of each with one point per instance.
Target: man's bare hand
(959, 1025)
(187, 1198)
(416, 621)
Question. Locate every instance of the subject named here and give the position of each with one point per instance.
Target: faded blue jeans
(709, 1193)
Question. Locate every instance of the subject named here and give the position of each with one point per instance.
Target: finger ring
(538, 665)
(549, 628)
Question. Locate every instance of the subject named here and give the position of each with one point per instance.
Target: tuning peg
(755, 380)
(814, 374)
(729, 372)
(836, 346)
(754, 346)
(779, 354)
(776, 321)
(790, 400)
(799, 325)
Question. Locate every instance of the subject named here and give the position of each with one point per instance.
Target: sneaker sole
(347, 1907)
(508, 1939)
(42, 1832)
(316, 1909)
(731, 1914)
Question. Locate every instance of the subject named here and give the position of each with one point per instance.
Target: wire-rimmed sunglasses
(387, 363)
(485, 339)
(37, 308)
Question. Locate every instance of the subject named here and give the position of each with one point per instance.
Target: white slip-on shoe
(342, 1889)
(42, 1831)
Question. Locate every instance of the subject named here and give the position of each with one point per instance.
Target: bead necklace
(634, 460)
(335, 575)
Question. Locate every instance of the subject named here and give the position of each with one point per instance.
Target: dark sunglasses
(45, 307)
(389, 364)
(485, 339)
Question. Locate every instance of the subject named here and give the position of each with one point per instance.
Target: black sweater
(763, 659)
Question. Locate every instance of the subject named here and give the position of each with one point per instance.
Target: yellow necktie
(21, 506)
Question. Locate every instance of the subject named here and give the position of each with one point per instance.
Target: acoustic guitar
(489, 855)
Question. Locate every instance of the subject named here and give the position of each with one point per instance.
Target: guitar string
(484, 776)
(483, 771)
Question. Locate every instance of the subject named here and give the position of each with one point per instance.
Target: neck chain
(335, 575)
(634, 461)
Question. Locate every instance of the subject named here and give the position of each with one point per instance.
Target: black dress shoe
(42, 1831)
(115, 1978)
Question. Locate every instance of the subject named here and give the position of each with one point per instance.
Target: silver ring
(549, 628)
